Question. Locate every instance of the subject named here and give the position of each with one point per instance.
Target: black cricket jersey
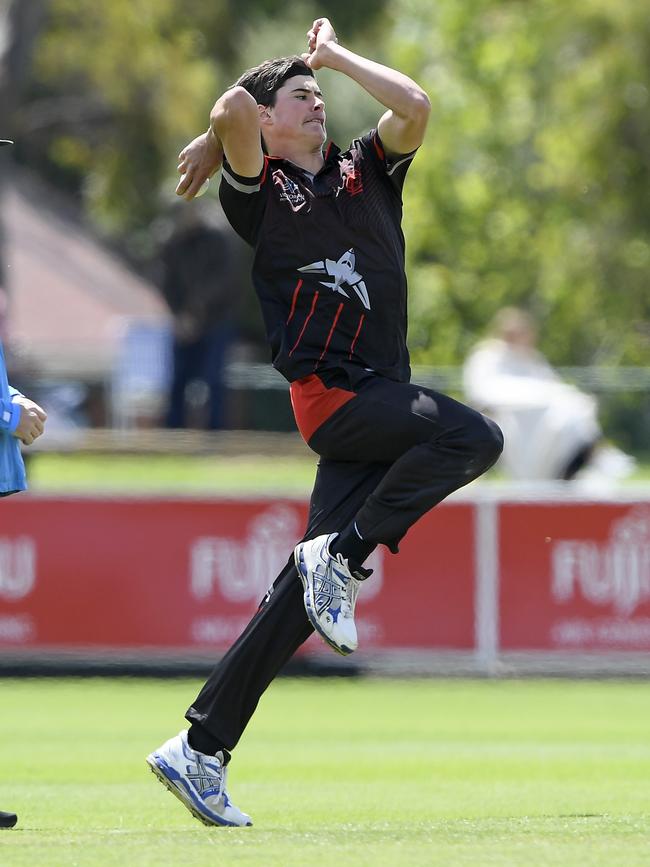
(329, 260)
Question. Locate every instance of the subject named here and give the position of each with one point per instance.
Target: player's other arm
(234, 131)
(402, 127)
(235, 122)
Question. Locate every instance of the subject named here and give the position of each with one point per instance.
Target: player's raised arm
(235, 121)
(234, 131)
(402, 127)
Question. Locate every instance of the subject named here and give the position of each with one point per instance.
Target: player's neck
(310, 160)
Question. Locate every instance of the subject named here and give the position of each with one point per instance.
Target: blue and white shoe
(330, 592)
(198, 780)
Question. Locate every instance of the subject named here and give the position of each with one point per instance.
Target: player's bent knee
(481, 445)
(488, 445)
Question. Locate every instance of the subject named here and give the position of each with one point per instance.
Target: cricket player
(329, 273)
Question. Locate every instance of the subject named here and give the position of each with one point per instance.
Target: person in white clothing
(551, 428)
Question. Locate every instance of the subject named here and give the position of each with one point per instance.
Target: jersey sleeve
(394, 167)
(244, 201)
(9, 413)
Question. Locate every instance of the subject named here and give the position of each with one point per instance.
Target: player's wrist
(334, 56)
(213, 141)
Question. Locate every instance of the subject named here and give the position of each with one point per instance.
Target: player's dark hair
(264, 81)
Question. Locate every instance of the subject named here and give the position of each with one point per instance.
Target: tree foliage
(119, 85)
(532, 187)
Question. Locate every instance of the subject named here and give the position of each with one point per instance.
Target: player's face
(299, 111)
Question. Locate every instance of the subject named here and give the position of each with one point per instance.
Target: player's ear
(264, 114)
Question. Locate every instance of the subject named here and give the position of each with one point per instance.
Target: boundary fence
(496, 581)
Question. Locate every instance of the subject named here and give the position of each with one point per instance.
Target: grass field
(172, 474)
(340, 772)
(190, 474)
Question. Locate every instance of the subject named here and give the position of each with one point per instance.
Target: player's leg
(228, 699)
(216, 347)
(185, 367)
(433, 445)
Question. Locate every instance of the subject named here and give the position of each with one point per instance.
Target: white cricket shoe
(198, 780)
(330, 592)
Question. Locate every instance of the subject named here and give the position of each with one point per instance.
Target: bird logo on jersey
(343, 273)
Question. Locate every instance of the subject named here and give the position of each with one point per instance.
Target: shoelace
(350, 587)
(349, 597)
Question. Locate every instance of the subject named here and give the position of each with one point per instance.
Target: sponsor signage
(575, 576)
(187, 575)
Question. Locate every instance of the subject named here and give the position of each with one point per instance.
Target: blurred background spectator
(199, 284)
(551, 428)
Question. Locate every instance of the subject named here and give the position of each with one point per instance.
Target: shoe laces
(349, 586)
(349, 597)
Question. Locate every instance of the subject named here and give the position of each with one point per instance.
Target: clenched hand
(32, 420)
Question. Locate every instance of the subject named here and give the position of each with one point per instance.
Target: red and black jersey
(329, 259)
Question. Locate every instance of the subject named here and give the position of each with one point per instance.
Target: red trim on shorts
(304, 325)
(313, 403)
(378, 147)
(266, 165)
(329, 336)
(293, 300)
(352, 345)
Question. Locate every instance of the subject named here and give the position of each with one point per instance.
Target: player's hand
(32, 420)
(319, 38)
(197, 162)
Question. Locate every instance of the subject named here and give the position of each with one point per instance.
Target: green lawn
(174, 474)
(171, 474)
(343, 772)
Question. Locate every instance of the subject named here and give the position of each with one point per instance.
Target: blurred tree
(115, 88)
(19, 27)
(532, 187)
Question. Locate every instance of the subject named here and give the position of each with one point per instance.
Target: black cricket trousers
(388, 454)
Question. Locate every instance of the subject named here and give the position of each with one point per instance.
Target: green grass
(195, 475)
(171, 474)
(344, 773)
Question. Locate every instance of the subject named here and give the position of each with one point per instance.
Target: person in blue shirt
(21, 420)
